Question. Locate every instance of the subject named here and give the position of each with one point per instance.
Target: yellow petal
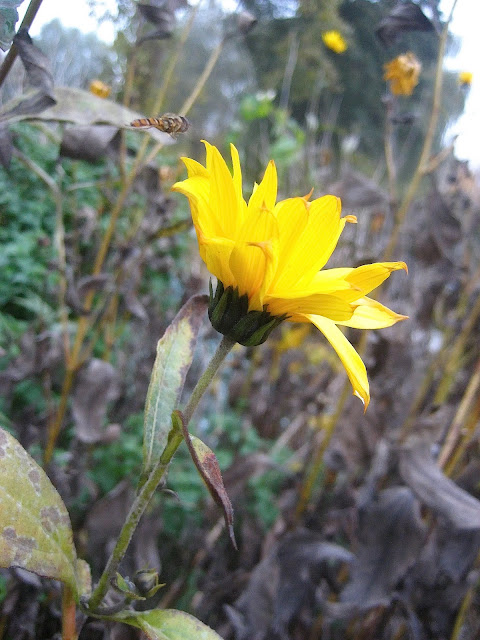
(237, 183)
(315, 245)
(292, 218)
(319, 304)
(197, 190)
(370, 276)
(266, 192)
(256, 243)
(223, 199)
(370, 314)
(216, 254)
(352, 362)
(194, 168)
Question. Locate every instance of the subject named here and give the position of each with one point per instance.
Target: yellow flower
(271, 255)
(403, 73)
(465, 78)
(334, 41)
(100, 89)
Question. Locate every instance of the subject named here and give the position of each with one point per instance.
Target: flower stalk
(147, 490)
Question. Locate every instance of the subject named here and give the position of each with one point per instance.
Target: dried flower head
(403, 72)
(100, 89)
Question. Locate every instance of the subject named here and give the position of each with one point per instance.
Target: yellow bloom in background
(334, 41)
(268, 257)
(403, 73)
(100, 89)
(465, 78)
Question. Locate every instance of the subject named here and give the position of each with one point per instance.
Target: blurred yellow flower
(100, 89)
(465, 78)
(268, 257)
(334, 41)
(403, 73)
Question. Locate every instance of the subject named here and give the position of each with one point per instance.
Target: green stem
(148, 489)
(222, 350)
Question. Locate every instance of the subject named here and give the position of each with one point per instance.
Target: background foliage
(327, 501)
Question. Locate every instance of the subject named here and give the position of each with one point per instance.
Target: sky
(75, 13)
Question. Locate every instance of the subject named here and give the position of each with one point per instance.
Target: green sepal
(229, 315)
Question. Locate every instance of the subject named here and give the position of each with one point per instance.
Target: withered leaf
(35, 62)
(391, 534)
(207, 464)
(95, 387)
(433, 488)
(405, 16)
(78, 106)
(90, 143)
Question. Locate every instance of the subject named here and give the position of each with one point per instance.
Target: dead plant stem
(427, 145)
(466, 405)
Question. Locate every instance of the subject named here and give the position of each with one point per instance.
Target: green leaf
(35, 530)
(167, 624)
(174, 357)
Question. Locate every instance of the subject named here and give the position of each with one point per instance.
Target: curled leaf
(36, 63)
(207, 464)
(433, 488)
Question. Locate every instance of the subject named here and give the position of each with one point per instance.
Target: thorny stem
(148, 489)
(27, 21)
(427, 144)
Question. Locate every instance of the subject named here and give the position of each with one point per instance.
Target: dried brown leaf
(95, 387)
(433, 488)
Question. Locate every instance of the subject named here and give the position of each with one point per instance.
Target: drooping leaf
(433, 488)
(174, 357)
(405, 16)
(90, 143)
(207, 464)
(36, 63)
(167, 624)
(77, 106)
(35, 530)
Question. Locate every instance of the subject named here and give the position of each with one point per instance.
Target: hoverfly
(168, 123)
